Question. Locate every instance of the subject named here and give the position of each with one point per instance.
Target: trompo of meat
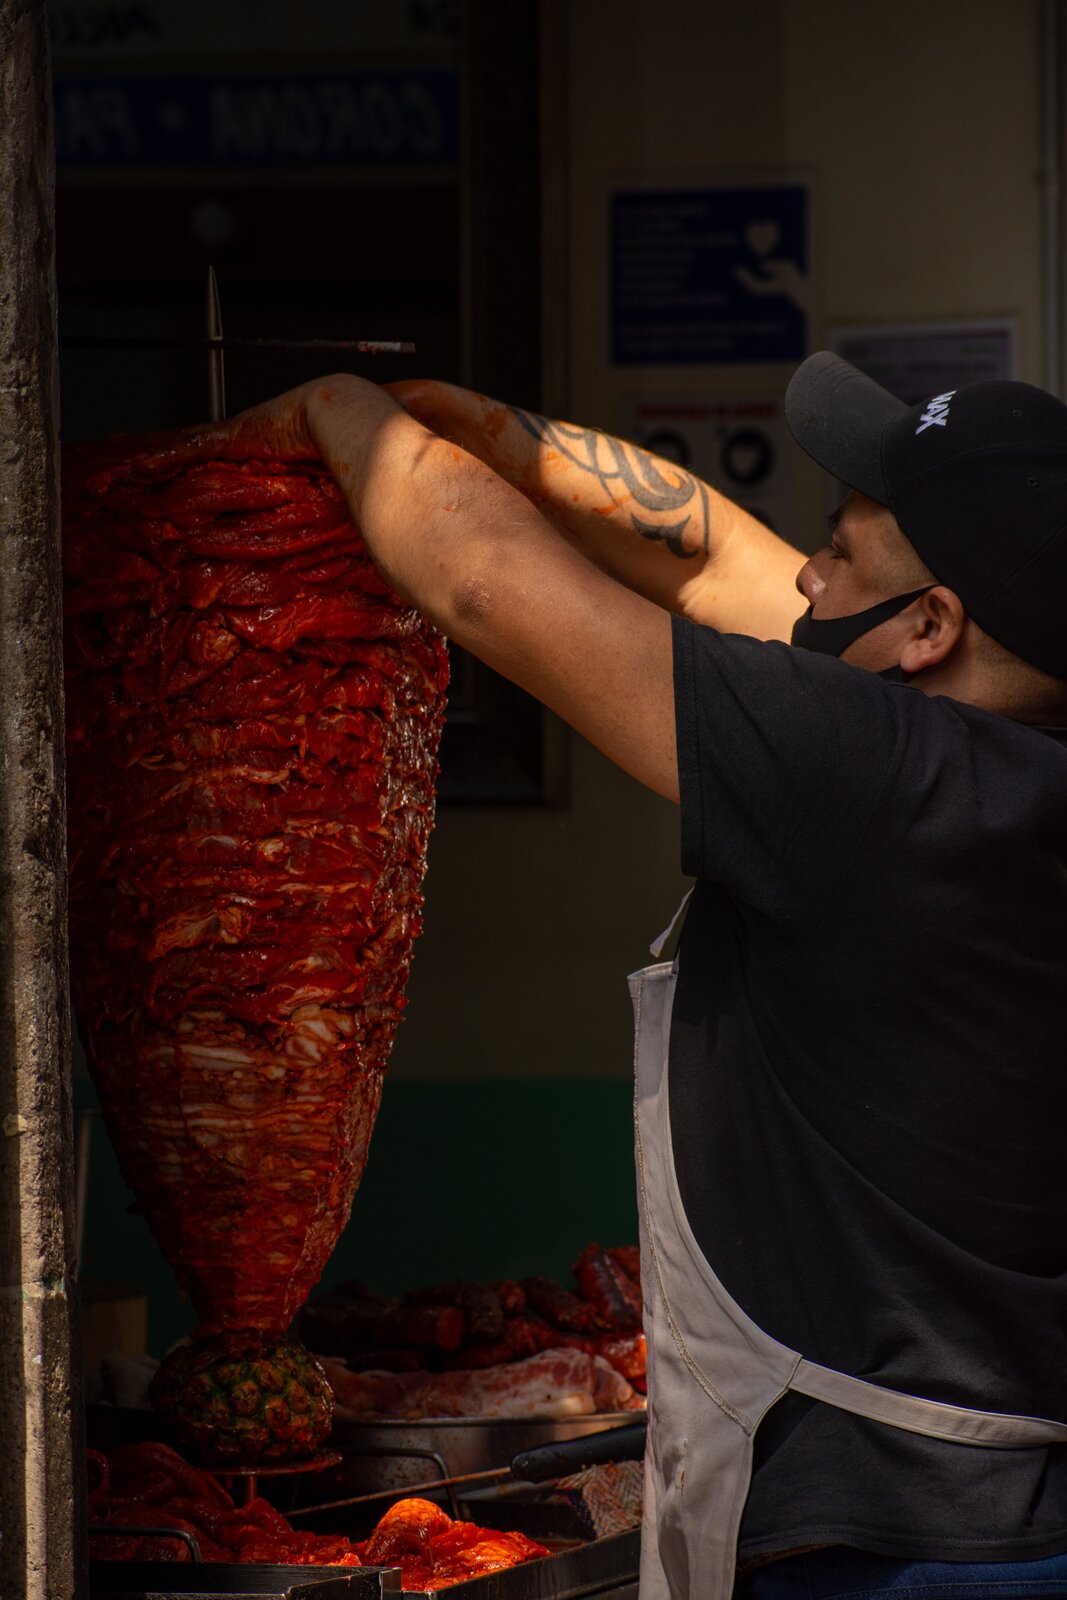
(253, 722)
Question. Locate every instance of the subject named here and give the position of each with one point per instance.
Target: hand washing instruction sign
(718, 275)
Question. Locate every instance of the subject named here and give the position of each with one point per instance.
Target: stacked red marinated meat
(253, 721)
(529, 1348)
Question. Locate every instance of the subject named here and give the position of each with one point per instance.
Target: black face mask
(831, 635)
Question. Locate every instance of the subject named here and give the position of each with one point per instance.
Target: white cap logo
(936, 413)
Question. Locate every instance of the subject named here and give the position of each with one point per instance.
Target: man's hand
(277, 428)
(644, 520)
(478, 559)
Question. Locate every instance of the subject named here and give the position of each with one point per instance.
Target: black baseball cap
(977, 480)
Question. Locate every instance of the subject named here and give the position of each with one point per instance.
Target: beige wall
(669, 91)
(922, 124)
(918, 124)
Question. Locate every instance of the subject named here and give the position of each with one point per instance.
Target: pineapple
(241, 1398)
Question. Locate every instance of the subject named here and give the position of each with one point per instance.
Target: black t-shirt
(868, 1081)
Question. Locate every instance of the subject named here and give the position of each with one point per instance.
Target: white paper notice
(915, 360)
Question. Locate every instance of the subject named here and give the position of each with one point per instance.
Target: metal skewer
(216, 361)
(492, 1473)
(216, 344)
(363, 347)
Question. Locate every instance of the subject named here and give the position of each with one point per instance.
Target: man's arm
(643, 520)
(482, 563)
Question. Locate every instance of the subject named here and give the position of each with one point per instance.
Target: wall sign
(710, 275)
(104, 30)
(915, 360)
(388, 117)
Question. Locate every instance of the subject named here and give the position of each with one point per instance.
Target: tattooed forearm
(672, 501)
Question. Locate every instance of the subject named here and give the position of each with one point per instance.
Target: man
(850, 1083)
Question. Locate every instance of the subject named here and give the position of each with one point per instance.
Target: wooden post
(41, 1517)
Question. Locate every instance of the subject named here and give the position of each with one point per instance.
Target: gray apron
(712, 1373)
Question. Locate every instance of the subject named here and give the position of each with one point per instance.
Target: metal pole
(216, 361)
(1052, 286)
(41, 1511)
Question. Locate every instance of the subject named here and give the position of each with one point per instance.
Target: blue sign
(364, 118)
(710, 275)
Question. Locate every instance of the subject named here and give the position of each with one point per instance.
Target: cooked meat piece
(480, 1357)
(628, 1257)
(434, 1552)
(343, 1330)
(563, 1309)
(615, 1392)
(401, 1358)
(479, 1303)
(405, 1529)
(511, 1295)
(603, 1282)
(493, 1552)
(557, 1383)
(194, 1502)
(626, 1352)
(528, 1334)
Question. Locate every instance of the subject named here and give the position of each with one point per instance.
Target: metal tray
(598, 1568)
(399, 1455)
(201, 1580)
(601, 1567)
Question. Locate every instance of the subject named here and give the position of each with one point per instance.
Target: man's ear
(940, 620)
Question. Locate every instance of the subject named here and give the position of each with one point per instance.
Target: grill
(401, 1455)
(385, 1461)
(603, 1567)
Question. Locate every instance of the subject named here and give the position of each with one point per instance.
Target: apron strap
(657, 946)
(998, 1430)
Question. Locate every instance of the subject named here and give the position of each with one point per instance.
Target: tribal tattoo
(616, 464)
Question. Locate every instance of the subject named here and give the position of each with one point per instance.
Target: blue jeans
(843, 1574)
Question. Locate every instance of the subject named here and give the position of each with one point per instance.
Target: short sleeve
(783, 757)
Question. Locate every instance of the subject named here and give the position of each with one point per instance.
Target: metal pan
(542, 1464)
(388, 1455)
(603, 1567)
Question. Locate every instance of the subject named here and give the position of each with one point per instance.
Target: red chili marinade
(253, 719)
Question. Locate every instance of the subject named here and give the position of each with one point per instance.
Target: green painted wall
(481, 1180)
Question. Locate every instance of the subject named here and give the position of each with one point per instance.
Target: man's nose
(810, 580)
